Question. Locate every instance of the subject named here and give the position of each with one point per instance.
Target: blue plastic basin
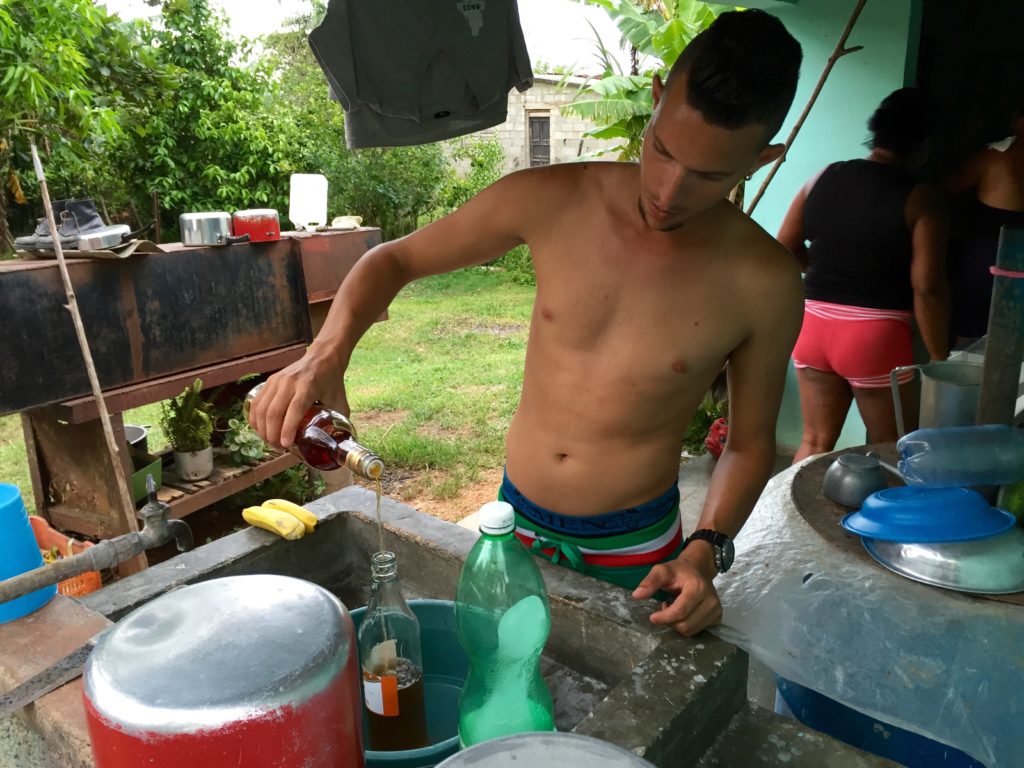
(445, 667)
(913, 514)
(18, 553)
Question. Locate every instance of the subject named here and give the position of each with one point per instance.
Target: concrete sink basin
(613, 675)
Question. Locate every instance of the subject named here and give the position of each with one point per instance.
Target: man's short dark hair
(741, 70)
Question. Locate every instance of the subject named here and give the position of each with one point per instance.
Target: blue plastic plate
(913, 514)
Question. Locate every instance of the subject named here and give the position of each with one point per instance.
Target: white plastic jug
(307, 201)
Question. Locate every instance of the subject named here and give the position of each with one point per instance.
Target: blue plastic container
(19, 553)
(912, 514)
(445, 667)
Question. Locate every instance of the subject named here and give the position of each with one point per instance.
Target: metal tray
(993, 566)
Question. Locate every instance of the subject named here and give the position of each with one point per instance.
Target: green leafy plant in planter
(187, 423)
(243, 444)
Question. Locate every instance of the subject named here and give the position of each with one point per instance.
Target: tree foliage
(181, 110)
(620, 103)
(221, 143)
(72, 79)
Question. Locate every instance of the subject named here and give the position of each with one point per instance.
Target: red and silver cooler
(253, 671)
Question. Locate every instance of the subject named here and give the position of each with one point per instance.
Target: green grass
(13, 467)
(448, 366)
(432, 388)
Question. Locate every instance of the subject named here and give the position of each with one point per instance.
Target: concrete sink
(672, 700)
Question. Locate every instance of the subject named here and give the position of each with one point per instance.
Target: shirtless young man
(648, 282)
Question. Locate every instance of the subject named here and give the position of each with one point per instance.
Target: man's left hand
(696, 606)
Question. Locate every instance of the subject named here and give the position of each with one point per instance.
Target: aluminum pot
(261, 224)
(208, 228)
(851, 478)
(258, 671)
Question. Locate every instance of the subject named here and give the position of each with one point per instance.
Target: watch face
(728, 551)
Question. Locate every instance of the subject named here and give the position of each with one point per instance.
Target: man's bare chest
(655, 320)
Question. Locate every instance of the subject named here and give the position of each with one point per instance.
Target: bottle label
(381, 695)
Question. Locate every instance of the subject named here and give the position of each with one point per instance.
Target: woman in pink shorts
(872, 241)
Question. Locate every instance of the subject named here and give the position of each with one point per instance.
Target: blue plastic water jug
(18, 553)
(991, 454)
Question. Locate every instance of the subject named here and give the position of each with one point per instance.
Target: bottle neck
(384, 573)
(508, 535)
(360, 460)
(383, 567)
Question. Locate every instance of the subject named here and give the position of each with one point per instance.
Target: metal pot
(137, 437)
(208, 228)
(949, 393)
(851, 478)
(261, 224)
(258, 671)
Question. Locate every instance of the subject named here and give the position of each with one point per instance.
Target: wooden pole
(1004, 352)
(127, 505)
(156, 218)
(839, 51)
(1004, 346)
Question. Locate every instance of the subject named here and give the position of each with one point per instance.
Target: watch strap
(717, 540)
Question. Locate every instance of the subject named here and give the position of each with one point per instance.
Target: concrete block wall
(567, 131)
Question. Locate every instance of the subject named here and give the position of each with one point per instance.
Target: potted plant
(243, 444)
(186, 422)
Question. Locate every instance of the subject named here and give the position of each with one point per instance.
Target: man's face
(688, 165)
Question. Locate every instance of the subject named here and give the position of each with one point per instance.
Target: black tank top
(860, 247)
(970, 257)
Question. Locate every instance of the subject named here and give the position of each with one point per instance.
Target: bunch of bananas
(287, 520)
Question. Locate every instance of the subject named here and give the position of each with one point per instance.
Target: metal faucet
(158, 529)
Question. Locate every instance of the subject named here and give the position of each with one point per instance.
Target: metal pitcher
(949, 393)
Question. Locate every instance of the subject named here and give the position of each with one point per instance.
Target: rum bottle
(326, 440)
(392, 664)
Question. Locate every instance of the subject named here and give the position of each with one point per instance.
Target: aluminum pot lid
(568, 750)
(219, 652)
(205, 216)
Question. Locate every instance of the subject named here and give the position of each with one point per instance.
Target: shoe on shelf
(79, 217)
(31, 242)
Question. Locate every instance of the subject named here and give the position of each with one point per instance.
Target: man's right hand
(277, 411)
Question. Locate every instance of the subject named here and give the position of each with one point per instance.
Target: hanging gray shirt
(417, 71)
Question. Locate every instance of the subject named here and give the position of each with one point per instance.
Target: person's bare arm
(481, 230)
(791, 233)
(757, 377)
(929, 226)
(968, 174)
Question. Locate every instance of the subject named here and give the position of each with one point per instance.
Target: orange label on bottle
(381, 695)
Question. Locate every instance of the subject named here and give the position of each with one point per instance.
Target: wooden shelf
(184, 497)
(83, 409)
(156, 324)
(225, 480)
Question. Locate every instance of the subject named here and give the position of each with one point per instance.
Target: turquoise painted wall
(837, 125)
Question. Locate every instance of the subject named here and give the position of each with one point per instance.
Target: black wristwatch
(722, 545)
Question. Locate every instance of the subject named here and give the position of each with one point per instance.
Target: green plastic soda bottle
(503, 620)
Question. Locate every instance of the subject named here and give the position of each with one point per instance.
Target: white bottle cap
(497, 517)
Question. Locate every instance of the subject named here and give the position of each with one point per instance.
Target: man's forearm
(736, 485)
(364, 296)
